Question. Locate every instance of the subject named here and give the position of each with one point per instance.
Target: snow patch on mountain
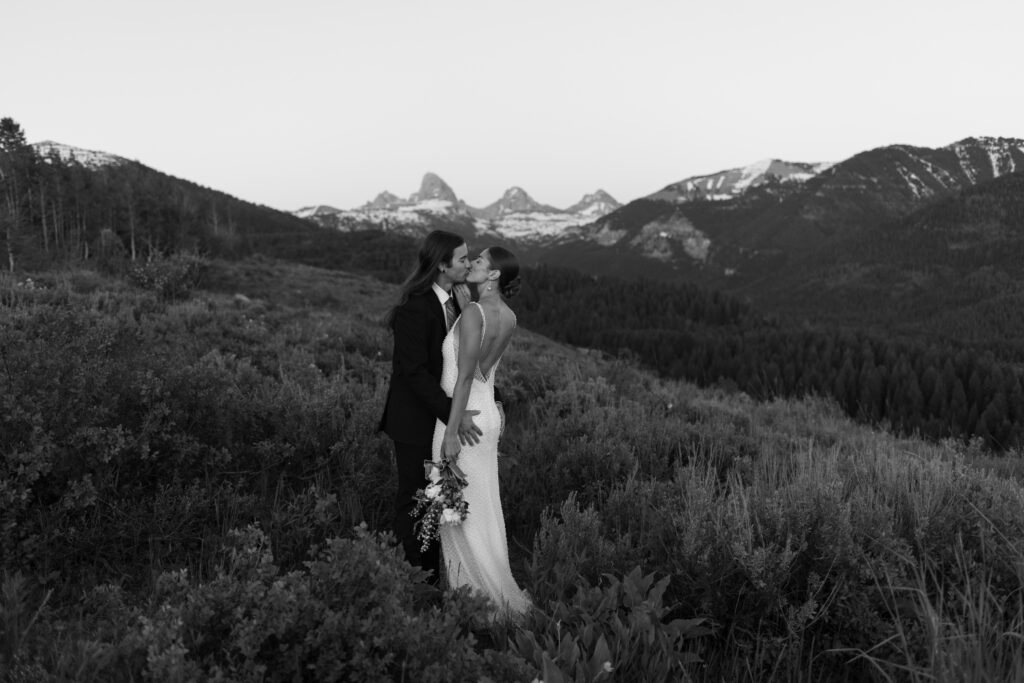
(87, 157)
(659, 239)
(993, 158)
(940, 174)
(436, 206)
(749, 174)
(318, 210)
(536, 226)
(381, 217)
(917, 187)
(965, 163)
(518, 217)
(1000, 152)
(596, 204)
(733, 182)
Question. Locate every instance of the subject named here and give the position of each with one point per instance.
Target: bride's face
(480, 270)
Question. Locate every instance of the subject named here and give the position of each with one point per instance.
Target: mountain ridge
(731, 183)
(515, 215)
(775, 218)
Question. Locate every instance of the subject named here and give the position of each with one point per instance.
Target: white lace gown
(475, 552)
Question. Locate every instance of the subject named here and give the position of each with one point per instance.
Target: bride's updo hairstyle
(505, 261)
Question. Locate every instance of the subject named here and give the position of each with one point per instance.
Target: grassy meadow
(192, 488)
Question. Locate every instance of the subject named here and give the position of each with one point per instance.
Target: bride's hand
(451, 446)
(462, 295)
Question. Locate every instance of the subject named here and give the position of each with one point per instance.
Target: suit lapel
(430, 299)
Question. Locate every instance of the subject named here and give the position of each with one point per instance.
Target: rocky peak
(516, 200)
(385, 200)
(433, 187)
(598, 203)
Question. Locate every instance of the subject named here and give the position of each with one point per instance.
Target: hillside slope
(186, 480)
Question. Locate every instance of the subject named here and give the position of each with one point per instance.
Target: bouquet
(441, 502)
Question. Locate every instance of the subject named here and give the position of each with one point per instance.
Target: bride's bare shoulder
(508, 316)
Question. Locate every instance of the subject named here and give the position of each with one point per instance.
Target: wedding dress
(475, 552)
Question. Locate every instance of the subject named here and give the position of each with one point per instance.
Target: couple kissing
(442, 408)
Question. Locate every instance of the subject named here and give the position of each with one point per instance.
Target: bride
(476, 551)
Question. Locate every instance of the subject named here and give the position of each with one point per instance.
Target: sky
(305, 102)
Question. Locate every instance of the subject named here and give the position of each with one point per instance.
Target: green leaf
(552, 674)
(689, 628)
(595, 667)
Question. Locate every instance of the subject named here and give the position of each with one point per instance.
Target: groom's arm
(412, 348)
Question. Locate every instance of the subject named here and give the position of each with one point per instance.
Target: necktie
(449, 312)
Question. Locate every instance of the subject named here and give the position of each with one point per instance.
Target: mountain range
(897, 235)
(515, 216)
(816, 240)
(775, 217)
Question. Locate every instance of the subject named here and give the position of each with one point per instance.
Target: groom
(420, 321)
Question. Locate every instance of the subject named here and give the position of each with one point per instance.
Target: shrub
(572, 547)
(356, 612)
(170, 277)
(618, 630)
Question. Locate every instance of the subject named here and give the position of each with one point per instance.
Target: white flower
(450, 516)
(432, 491)
(607, 667)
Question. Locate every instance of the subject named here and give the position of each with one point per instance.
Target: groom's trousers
(409, 460)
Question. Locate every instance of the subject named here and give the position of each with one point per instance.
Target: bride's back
(499, 324)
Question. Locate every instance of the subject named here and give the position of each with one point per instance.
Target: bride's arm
(470, 331)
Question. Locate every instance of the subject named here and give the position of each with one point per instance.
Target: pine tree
(17, 168)
(12, 143)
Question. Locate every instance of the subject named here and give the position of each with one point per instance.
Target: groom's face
(460, 264)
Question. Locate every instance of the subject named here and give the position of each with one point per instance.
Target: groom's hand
(469, 433)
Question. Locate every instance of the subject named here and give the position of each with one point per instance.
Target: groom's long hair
(438, 248)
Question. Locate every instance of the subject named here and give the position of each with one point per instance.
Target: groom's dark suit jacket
(415, 398)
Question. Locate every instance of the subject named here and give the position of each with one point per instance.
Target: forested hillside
(952, 270)
(54, 209)
(937, 389)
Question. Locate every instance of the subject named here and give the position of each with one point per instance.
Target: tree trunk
(42, 220)
(131, 227)
(56, 225)
(9, 223)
